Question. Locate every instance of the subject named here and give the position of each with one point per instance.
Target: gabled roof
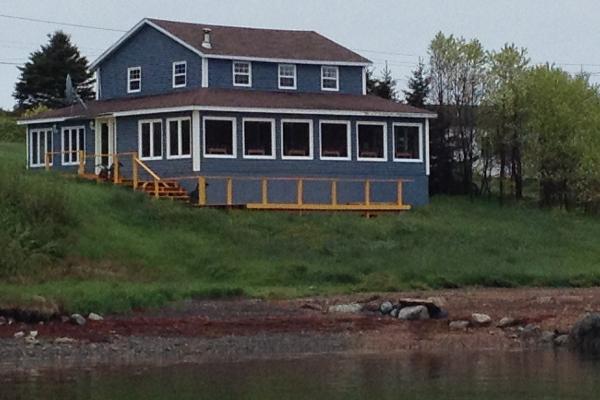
(210, 99)
(250, 43)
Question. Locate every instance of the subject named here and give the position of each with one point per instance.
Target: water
(534, 375)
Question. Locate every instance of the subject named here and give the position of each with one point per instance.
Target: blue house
(261, 118)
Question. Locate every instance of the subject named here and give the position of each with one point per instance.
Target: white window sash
(179, 154)
(348, 140)
(72, 146)
(336, 79)
(150, 122)
(41, 155)
(293, 76)
(246, 74)
(385, 141)
(131, 80)
(180, 74)
(233, 137)
(310, 124)
(420, 141)
(271, 156)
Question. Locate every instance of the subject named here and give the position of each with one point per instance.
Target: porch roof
(232, 100)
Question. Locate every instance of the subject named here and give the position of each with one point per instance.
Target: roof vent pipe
(206, 43)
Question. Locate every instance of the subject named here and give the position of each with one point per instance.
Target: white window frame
(311, 143)
(233, 121)
(151, 122)
(249, 74)
(337, 80)
(272, 156)
(176, 75)
(129, 80)
(385, 141)
(179, 134)
(70, 148)
(280, 76)
(42, 159)
(348, 140)
(408, 124)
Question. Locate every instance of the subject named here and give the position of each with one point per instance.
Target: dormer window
(330, 77)
(179, 74)
(134, 80)
(287, 76)
(242, 74)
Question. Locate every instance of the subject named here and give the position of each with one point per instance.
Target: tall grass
(99, 247)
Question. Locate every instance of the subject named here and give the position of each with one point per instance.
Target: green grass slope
(96, 247)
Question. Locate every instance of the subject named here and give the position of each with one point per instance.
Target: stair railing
(136, 163)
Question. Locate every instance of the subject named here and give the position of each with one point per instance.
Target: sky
(396, 31)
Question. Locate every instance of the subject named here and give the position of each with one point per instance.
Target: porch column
(196, 141)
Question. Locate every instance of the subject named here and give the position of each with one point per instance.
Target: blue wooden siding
(265, 76)
(155, 53)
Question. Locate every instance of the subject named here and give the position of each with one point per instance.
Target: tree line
(506, 127)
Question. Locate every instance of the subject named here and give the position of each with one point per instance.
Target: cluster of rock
(413, 309)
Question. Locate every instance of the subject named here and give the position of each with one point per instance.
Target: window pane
(186, 134)
(406, 139)
(258, 138)
(370, 141)
(48, 147)
(242, 68)
(296, 139)
(180, 68)
(180, 80)
(35, 154)
(81, 139)
(218, 137)
(287, 82)
(157, 139)
(73, 145)
(174, 138)
(334, 140)
(242, 79)
(145, 140)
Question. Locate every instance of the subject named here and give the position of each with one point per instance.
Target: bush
(10, 131)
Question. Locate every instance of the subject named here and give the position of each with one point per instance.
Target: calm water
(540, 375)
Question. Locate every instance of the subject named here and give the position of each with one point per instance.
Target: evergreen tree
(43, 77)
(386, 86)
(418, 86)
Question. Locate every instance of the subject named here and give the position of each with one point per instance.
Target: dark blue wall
(155, 53)
(265, 77)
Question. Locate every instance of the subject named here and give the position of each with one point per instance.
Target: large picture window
(242, 74)
(219, 137)
(259, 138)
(297, 139)
(150, 139)
(73, 141)
(335, 140)
(407, 142)
(134, 80)
(372, 141)
(179, 138)
(40, 143)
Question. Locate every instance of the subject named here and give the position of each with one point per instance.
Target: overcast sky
(399, 31)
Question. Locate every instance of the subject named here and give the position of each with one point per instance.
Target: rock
(95, 317)
(561, 340)
(547, 337)
(3, 321)
(459, 325)
(10, 321)
(346, 308)
(372, 306)
(413, 313)
(507, 322)
(78, 319)
(394, 313)
(65, 318)
(585, 335)
(19, 335)
(31, 340)
(312, 306)
(438, 301)
(64, 340)
(545, 300)
(386, 307)
(432, 308)
(529, 331)
(33, 334)
(478, 319)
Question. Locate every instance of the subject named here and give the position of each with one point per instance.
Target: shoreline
(244, 329)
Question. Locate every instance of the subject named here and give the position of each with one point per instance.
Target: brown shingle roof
(233, 100)
(261, 43)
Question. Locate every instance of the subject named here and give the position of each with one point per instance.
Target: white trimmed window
(134, 80)
(335, 140)
(296, 139)
(330, 78)
(242, 73)
(72, 142)
(371, 138)
(407, 142)
(150, 139)
(179, 138)
(219, 137)
(259, 138)
(179, 74)
(40, 143)
(287, 76)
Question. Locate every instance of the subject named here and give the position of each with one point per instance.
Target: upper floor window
(242, 74)
(330, 78)
(287, 76)
(134, 79)
(179, 74)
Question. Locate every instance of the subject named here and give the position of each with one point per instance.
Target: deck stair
(166, 190)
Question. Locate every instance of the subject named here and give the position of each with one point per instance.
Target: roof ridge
(231, 26)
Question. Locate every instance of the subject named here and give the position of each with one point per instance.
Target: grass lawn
(95, 247)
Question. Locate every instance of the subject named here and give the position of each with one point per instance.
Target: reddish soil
(551, 309)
